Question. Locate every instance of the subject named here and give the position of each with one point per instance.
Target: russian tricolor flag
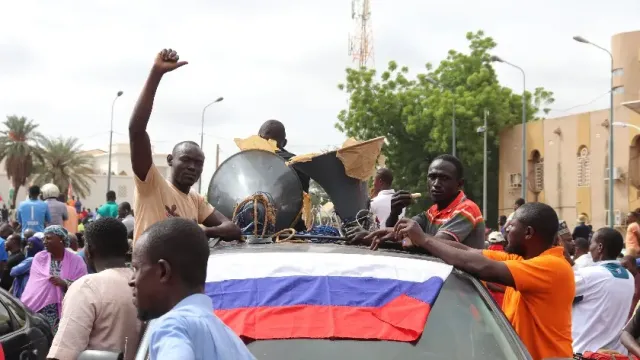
(283, 295)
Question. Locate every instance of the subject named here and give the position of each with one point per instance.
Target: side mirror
(100, 355)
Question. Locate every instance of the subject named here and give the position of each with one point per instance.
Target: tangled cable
(242, 217)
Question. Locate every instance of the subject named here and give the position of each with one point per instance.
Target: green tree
(415, 116)
(63, 163)
(18, 149)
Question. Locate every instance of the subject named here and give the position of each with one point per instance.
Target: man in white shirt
(583, 256)
(604, 292)
(125, 214)
(382, 192)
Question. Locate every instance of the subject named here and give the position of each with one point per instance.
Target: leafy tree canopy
(63, 162)
(415, 115)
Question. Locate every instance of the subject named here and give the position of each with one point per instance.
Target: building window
(122, 191)
(584, 167)
(617, 72)
(515, 180)
(538, 175)
(618, 90)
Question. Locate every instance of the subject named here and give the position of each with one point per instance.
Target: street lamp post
(113, 104)
(484, 130)
(611, 122)
(623, 124)
(202, 134)
(524, 124)
(453, 115)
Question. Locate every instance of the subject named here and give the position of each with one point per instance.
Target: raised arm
(167, 60)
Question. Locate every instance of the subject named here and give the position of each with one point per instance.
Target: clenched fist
(167, 60)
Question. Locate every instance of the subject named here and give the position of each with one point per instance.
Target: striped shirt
(461, 220)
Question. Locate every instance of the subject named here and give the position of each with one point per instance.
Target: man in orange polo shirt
(540, 283)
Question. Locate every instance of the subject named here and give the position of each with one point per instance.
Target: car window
(17, 311)
(5, 321)
(461, 325)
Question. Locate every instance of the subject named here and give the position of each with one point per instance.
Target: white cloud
(62, 62)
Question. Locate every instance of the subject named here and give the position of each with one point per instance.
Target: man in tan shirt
(155, 198)
(98, 311)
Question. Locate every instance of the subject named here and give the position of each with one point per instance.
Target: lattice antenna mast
(361, 43)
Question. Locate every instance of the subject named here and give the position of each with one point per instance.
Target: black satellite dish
(247, 172)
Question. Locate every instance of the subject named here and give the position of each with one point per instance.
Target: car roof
(222, 247)
(234, 246)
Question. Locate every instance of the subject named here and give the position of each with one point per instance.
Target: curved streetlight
(113, 104)
(495, 58)
(453, 114)
(623, 124)
(611, 214)
(202, 134)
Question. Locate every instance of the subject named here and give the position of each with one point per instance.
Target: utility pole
(217, 156)
(484, 170)
(484, 130)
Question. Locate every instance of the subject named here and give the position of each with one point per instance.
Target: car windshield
(460, 326)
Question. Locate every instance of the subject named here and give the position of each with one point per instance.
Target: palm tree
(18, 148)
(64, 163)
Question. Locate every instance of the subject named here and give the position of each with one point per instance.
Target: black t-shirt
(304, 178)
(581, 231)
(13, 260)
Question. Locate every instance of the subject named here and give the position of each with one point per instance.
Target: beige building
(121, 178)
(567, 157)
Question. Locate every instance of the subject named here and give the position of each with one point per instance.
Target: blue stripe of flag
(317, 290)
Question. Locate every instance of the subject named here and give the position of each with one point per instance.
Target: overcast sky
(62, 62)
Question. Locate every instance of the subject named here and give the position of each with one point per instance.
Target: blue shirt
(20, 273)
(4, 256)
(33, 214)
(190, 331)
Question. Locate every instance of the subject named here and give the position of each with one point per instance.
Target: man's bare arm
(473, 262)
(217, 225)
(140, 145)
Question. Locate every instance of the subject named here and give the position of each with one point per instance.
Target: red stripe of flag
(402, 319)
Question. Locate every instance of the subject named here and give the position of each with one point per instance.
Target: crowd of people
(563, 292)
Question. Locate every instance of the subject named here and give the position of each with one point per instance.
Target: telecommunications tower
(361, 42)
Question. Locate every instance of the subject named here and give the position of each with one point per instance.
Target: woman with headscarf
(20, 272)
(52, 272)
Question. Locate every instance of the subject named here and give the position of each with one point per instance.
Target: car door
(14, 336)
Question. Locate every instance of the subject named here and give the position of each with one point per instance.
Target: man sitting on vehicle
(157, 198)
(452, 217)
(275, 130)
(540, 283)
(604, 292)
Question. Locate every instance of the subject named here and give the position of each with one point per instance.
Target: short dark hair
(502, 220)
(453, 160)
(34, 191)
(541, 217)
(385, 175)
(611, 240)
(273, 130)
(108, 237)
(182, 143)
(581, 243)
(519, 202)
(183, 244)
(125, 205)
(111, 195)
